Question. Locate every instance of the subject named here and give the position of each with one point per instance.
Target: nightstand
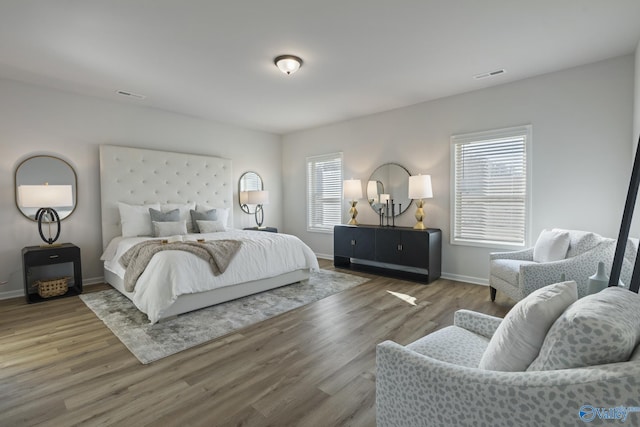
(268, 229)
(47, 262)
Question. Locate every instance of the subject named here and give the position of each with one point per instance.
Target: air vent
(489, 74)
(130, 94)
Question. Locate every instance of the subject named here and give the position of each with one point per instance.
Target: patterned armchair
(435, 381)
(517, 274)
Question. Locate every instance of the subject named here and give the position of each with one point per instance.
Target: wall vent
(489, 74)
(130, 94)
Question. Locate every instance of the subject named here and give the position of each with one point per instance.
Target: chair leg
(492, 292)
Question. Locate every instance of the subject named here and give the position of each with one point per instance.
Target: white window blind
(490, 181)
(324, 192)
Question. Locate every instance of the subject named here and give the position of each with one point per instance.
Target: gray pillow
(598, 329)
(196, 216)
(158, 216)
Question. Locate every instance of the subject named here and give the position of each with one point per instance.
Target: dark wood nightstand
(47, 262)
(269, 229)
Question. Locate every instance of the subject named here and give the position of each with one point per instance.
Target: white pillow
(210, 226)
(552, 245)
(517, 341)
(135, 219)
(184, 210)
(169, 228)
(223, 213)
(598, 329)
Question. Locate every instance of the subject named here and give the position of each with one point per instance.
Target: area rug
(152, 342)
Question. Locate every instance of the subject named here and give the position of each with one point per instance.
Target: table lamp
(44, 198)
(420, 188)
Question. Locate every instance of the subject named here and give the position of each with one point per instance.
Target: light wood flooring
(314, 366)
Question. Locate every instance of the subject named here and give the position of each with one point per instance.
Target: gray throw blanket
(218, 253)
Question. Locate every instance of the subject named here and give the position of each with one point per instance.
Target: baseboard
(17, 293)
(324, 256)
(466, 279)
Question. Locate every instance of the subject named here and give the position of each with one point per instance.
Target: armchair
(435, 381)
(517, 274)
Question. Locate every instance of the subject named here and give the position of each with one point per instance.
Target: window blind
(324, 192)
(490, 180)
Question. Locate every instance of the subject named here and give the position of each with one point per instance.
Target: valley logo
(588, 413)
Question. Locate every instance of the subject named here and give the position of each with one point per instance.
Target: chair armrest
(523, 255)
(416, 390)
(578, 268)
(479, 323)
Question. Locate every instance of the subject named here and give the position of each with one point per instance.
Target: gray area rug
(152, 342)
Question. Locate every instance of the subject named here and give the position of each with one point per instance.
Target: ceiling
(214, 59)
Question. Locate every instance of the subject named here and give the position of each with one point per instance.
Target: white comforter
(170, 274)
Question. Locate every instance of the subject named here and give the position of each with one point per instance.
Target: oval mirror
(249, 181)
(46, 170)
(389, 182)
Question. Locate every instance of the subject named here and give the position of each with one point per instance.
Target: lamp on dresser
(420, 188)
(352, 190)
(45, 198)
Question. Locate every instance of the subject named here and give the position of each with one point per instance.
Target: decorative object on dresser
(419, 189)
(352, 191)
(398, 251)
(48, 266)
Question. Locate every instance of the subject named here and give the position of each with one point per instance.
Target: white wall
(35, 120)
(582, 121)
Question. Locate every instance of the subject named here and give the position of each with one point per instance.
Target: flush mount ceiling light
(288, 64)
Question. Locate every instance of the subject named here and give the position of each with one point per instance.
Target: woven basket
(53, 287)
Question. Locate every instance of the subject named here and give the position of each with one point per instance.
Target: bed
(177, 282)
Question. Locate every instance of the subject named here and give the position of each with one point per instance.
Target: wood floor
(314, 366)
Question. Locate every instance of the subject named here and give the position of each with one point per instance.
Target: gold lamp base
(419, 216)
(353, 212)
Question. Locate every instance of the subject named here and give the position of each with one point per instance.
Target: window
(324, 192)
(490, 178)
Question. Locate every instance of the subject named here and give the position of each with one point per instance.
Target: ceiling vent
(489, 74)
(130, 94)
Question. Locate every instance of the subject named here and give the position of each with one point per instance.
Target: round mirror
(249, 181)
(49, 172)
(389, 182)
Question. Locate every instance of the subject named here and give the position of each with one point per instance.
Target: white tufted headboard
(137, 176)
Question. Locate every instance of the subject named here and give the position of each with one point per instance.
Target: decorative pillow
(184, 209)
(210, 226)
(223, 213)
(597, 329)
(158, 216)
(517, 340)
(552, 245)
(135, 219)
(169, 228)
(209, 215)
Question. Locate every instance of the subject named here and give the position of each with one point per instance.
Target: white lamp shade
(45, 196)
(244, 197)
(260, 197)
(420, 187)
(372, 190)
(352, 189)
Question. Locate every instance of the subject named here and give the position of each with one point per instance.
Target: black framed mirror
(389, 181)
(249, 181)
(45, 170)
